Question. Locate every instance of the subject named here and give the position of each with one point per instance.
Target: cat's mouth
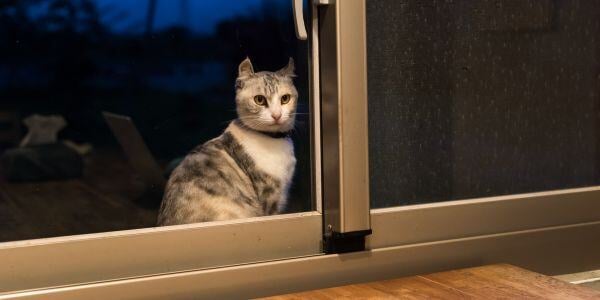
(271, 125)
(278, 125)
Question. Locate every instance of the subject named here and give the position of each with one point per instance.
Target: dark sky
(202, 15)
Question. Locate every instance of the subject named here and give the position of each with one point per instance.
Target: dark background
(170, 65)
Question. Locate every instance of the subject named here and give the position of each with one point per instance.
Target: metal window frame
(344, 120)
(293, 275)
(42, 263)
(422, 223)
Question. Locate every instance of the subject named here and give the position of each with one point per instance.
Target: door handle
(299, 20)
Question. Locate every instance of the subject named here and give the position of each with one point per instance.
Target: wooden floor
(103, 200)
(488, 282)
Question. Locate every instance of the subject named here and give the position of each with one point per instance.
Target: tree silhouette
(150, 14)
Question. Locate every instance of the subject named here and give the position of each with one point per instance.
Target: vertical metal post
(344, 124)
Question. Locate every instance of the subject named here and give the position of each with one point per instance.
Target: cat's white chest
(275, 157)
(272, 156)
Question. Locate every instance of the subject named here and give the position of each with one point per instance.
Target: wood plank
(488, 282)
(12, 221)
(346, 292)
(404, 288)
(418, 287)
(511, 282)
(476, 284)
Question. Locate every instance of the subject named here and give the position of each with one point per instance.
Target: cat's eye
(260, 100)
(285, 98)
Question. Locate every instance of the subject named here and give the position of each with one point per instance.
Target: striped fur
(244, 172)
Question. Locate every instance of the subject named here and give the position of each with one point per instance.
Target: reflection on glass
(164, 70)
(482, 98)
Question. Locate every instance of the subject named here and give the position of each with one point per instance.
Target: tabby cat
(247, 170)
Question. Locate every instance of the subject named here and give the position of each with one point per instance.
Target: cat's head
(266, 101)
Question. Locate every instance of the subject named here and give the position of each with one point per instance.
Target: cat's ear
(288, 70)
(245, 69)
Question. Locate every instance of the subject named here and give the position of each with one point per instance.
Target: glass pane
(170, 66)
(482, 98)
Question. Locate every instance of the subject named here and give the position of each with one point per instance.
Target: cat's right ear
(245, 69)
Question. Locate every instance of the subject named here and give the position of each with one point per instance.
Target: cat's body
(247, 170)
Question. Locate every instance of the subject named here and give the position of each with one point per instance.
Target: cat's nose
(276, 116)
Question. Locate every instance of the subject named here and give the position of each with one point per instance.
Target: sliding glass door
(491, 103)
(102, 101)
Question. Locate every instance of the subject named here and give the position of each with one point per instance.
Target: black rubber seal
(345, 242)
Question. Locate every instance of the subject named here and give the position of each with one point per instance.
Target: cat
(247, 170)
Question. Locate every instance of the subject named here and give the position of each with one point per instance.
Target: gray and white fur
(247, 170)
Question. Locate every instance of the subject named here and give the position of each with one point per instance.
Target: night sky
(128, 16)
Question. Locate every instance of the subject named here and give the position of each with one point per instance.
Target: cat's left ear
(245, 68)
(288, 70)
